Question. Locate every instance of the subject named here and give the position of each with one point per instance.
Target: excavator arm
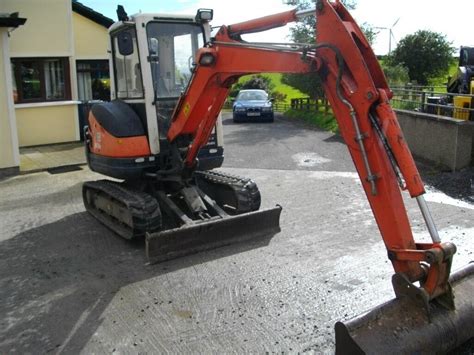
(180, 209)
(358, 92)
(359, 96)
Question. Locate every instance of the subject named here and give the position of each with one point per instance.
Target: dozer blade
(194, 238)
(400, 326)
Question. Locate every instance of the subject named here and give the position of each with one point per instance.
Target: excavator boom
(359, 95)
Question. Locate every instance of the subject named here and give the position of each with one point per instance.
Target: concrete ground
(34, 159)
(69, 285)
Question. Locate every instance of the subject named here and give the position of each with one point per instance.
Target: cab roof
(147, 17)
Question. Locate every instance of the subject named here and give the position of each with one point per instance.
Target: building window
(93, 80)
(40, 79)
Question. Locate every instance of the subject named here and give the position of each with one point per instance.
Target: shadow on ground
(458, 184)
(57, 280)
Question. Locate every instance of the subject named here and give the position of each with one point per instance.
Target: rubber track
(144, 208)
(245, 190)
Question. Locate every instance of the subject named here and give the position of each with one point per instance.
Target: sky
(453, 20)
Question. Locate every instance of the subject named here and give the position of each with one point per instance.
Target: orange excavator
(161, 137)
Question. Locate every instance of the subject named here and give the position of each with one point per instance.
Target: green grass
(326, 121)
(290, 92)
(442, 80)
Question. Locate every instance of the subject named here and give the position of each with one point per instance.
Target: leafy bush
(255, 82)
(278, 96)
(270, 82)
(396, 74)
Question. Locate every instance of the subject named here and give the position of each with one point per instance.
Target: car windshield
(252, 95)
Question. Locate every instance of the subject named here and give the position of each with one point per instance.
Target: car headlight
(267, 109)
(239, 109)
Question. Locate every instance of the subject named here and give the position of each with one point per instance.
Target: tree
(304, 32)
(425, 54)
(396, 74)
(369, 32)
(309, 84)
(255, 82)
(261, 82)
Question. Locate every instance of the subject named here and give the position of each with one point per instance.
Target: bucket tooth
(196, 237)
(401, 326)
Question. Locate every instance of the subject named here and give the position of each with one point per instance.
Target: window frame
(93, 61)
(113, 35)
(174, 22)
(104, 65)
(40, 61)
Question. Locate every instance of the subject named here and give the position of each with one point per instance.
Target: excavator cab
(179, 209)
(153, 59)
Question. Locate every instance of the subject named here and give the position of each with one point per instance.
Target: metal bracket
(405, 289)
(446, 300)
(436, 261)
(169, 207)
(192, 199)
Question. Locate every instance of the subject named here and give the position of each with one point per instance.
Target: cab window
(172, 50)
(128, 76)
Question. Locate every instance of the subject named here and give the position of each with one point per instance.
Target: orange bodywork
(361, 82)
(358, 92)
(263, 23)
(105, 144)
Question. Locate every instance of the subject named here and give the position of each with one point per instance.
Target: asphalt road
(69, 285)
(283, 146)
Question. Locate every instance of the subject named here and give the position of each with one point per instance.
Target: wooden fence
(309, 104)
(300, 104)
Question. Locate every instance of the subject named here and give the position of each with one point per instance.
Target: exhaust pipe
(400, 326)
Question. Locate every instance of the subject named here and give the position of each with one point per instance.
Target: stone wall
(445, 141)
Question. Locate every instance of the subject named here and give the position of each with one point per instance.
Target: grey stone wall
(444, 141)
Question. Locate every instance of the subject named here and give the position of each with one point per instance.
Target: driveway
(69, 285)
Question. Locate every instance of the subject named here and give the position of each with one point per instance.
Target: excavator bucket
(197, 237)
(401, 326)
